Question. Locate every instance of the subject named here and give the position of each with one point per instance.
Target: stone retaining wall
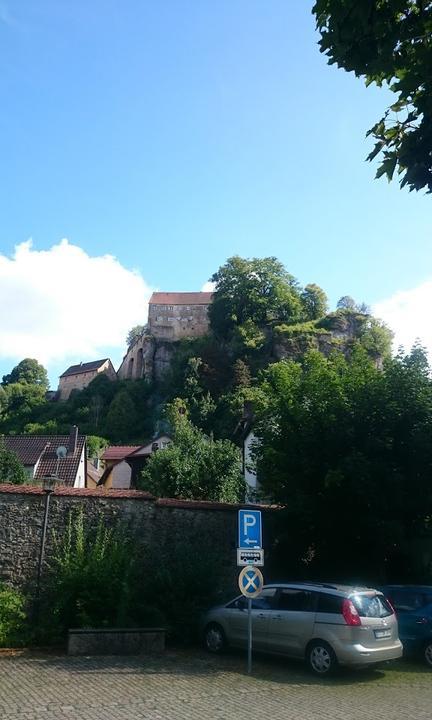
(155, 524)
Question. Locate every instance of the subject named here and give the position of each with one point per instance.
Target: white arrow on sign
(248, 541)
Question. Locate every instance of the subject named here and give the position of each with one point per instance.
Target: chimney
(73, 440)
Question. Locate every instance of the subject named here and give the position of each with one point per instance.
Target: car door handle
(276, 617)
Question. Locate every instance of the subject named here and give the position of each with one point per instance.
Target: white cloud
(408, 314)
(208, 286)
(60, 303)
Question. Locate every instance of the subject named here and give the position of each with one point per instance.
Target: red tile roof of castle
(181, 298)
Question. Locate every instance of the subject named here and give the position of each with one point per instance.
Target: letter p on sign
(249, 522)
(249, 529)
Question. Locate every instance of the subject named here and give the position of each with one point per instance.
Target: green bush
(184, 581)
(12, 617)
(95, 580)
(90, 578)
(306, 328)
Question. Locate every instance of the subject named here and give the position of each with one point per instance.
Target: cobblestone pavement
(195, 686)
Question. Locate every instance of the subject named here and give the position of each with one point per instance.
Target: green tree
(96, 445)
(21, 402)
(121, 417)
(194, 466)
(28, 372)
(11, 469)
(242, 374)
(135, 334)
(314, 302)
(376, 338)
(348, 448)
(346, 302)
(257, 290)
(388, 42)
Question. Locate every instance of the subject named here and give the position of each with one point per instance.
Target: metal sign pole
(249, 636)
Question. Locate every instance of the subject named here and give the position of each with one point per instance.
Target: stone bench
(116, 641)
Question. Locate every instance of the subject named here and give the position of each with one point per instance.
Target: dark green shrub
(12, 617)
(184, 581)
(90, 578)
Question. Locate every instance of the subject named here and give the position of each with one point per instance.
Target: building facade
(77, 377)
(176, 315)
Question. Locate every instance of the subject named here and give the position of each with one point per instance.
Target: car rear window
(329, 603)
(372, 605)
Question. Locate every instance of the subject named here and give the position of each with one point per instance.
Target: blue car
(413, 605)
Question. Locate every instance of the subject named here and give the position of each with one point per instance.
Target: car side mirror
(239, 604)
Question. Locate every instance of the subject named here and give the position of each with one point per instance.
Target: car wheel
(214, 638)
(427, 653)
(321, 658)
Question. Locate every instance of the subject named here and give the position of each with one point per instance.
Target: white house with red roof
(38, 454)
(123, 463)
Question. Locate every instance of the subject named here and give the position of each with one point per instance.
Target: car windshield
(371, 605)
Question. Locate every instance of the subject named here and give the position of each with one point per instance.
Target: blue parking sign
(249, 529)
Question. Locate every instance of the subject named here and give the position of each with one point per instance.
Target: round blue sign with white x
(250, 581)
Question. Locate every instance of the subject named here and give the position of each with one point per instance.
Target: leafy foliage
(97, 579)
(347, 448)
(12, 617)
(314, 301)
(182, 586)
(96, 445)
(135, 334)
(194, 466)
(121, 415)
(256, 291)
(28, 372)
(90, 577)
(388, 42)
(346, 302)
(11, 470)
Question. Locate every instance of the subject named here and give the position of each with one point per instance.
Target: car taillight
(350, 614)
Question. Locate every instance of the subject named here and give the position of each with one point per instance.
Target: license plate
(382, 634)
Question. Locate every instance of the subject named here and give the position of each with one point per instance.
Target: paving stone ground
(191, 685)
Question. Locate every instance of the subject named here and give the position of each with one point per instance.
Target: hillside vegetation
(260, 314)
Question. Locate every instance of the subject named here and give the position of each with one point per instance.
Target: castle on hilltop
(175, 315)
(171, 317)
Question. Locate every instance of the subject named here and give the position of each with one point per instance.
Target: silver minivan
(325, 624)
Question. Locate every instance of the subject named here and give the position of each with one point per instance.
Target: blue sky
(172, 135)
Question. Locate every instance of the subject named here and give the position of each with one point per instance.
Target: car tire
(214, 638)
(321, 658)
(427, 653)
